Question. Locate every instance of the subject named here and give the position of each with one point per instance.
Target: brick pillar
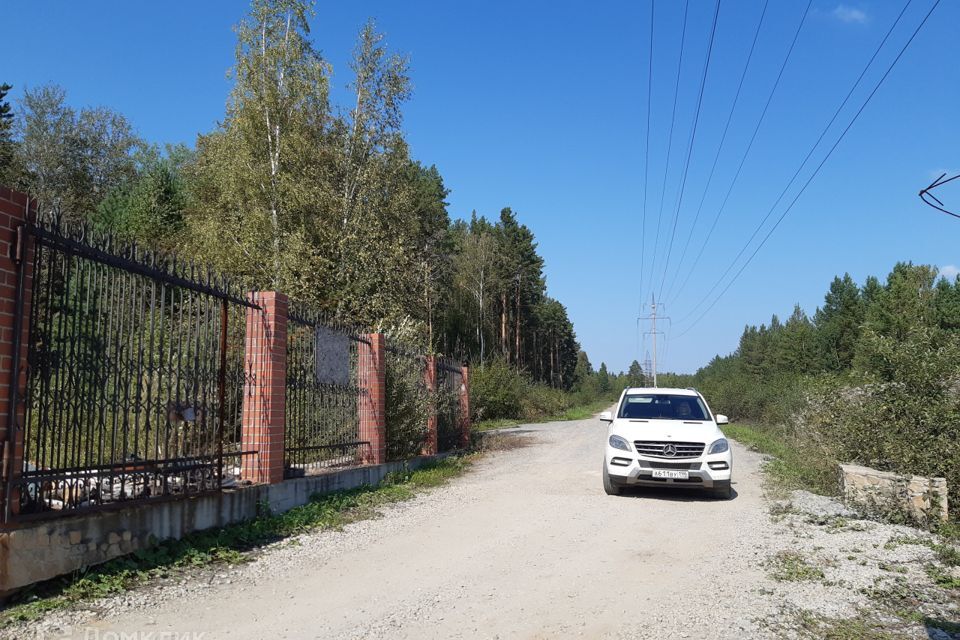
(372, 379)
(265, 393)
(464, 397)
(430, 382)
(15, 210)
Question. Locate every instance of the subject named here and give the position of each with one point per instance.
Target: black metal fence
(408, 400)
(449, 379)
(322, 410)
(135, 376)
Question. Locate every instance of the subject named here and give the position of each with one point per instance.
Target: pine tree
(839, 322)
(6, 136)
(603, 379)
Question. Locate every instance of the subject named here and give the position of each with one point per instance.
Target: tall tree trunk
(556, 350)
(551, 366)
(519, 361)
(503, 325)
(429, 301)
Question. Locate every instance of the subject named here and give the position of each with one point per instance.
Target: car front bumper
(629, 469)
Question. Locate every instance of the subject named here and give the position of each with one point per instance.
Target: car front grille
(669, 450)
(691, 466)
(690, 480)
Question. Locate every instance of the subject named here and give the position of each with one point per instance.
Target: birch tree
(254, 173)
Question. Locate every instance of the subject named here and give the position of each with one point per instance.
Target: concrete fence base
(922, 499)
(45, 549)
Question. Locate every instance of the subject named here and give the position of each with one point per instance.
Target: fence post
(464, 398)
(372, 379)
(16, 287)
(431, 443)
(265, 393)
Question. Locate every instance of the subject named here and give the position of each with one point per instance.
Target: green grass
(582, 412)
(793, 466)
(942, 578)
(498, 423)
(790, 566)
(824, 628)
(578, 412)
(229, 545)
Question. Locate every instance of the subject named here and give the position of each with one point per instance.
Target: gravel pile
(871, 571)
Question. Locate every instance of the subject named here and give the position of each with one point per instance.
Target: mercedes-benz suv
(666, 438)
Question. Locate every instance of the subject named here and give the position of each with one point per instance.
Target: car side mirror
(606, 416)
(722, 419)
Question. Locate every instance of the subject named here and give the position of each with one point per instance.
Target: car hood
(675, 430)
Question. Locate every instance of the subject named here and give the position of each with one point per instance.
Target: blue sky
(541, 106)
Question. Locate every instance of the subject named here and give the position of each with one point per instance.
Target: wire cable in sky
(936, 203)
(646, 168)
(673, 119)
(723, 138)
(806, 159)
(819, 167)
(693, 137)
(746, 151)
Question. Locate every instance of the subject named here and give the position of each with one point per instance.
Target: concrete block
(922, 499)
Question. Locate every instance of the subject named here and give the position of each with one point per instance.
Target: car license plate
(673, 474)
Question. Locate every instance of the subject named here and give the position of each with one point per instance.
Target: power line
(673, 118)
(723, 139)
(646, 159)
(937, 204)
(746, 151)
(819, 166)
(806, 159)
(693, 137)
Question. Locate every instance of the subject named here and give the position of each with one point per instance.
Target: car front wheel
(608, 486)
(723, 491)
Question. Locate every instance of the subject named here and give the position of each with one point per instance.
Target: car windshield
(663, 407)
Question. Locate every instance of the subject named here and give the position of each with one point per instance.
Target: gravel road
(526, 545)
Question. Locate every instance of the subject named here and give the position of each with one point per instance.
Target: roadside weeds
(580, 412)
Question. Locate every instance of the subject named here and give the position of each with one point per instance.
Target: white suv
(666, 438)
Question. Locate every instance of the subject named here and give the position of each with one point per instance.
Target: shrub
(497, 391)
(541, 401)
(904, 416)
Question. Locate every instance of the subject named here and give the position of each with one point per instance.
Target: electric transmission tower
(656, 313)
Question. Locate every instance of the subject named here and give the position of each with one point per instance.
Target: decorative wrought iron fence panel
(135, 376)
(322, 410)
(449, 379)
(408, 401)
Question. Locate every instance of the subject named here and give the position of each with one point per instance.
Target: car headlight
(719, 446)
(619, 443)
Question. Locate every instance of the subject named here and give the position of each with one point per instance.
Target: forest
(871, 377)
(323, 202)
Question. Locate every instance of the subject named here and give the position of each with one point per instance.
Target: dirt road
(526, 545)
